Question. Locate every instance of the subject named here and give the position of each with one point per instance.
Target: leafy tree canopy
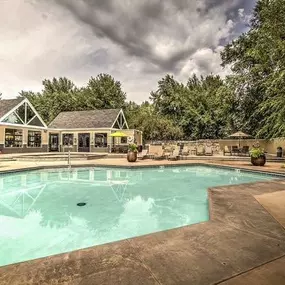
(59, 95)
(258, 62)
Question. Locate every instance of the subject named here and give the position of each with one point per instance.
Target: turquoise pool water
(39, 215)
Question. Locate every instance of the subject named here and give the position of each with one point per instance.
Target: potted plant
(132, 153)
(257, 156)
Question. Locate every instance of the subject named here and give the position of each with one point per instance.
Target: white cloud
(203, 62)
(241, 12)
(136, 42)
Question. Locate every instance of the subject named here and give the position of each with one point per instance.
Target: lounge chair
(143, 154)
(208, 150)
(174, 155)
(227, 150)
(153, 150)
(168, 151)
(159, 155)
(200, 150)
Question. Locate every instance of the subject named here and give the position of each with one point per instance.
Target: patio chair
(193, 150)
(168, 151)
(143, 154)
(245, 150)
(159, 155)
(208, 150)
(200, 150)
(235, 150)
(185, 150)
(153, 150)
(174, 155)
(227, 149)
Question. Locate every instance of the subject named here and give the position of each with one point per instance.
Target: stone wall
(218, 146)
(271, 145)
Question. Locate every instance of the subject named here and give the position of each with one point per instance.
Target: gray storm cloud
(162, 33)
(137, 42)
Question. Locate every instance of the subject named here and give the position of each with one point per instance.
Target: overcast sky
(137, 42)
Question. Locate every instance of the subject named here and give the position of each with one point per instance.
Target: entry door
(84, 142)
(53, 142)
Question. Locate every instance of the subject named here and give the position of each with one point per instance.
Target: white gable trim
(12, 110)
(121, 123)
(27, 124)
(125, 119)
(22, 126)
(35, 111)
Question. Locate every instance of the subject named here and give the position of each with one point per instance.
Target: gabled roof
(85, 119)
(7, 105)
(20, 112)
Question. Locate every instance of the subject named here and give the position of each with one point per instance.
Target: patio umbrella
(118, 134)
(240, 135)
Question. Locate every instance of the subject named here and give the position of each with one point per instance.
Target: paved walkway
(272, 273)
(16, 165)
(274, 203)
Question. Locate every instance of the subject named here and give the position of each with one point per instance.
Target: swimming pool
(41, 214)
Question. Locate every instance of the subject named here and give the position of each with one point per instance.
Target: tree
(103, 92)
(200, 108)
(258, 62)
(153, 125)
(59, 95)
(169, 98)
(131, 109)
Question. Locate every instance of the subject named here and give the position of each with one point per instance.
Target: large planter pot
(279, 152)
(260, 161)
(132, 156)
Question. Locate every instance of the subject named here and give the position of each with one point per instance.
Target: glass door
(84, 142)
(53, 142)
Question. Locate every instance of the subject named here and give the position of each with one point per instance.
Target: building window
(101, 140)
(124, 140)
(13, 138)
(67, 139)
(34, 138)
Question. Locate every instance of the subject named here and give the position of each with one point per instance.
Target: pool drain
(81, 204)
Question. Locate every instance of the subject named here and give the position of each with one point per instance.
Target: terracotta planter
(260, 161)
(132, 156)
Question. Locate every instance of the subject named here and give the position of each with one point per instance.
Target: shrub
(256, 152)
(133, 147)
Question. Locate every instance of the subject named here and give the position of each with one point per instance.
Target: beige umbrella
(240, 135)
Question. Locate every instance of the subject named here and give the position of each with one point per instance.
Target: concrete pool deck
(243, 243)
(122, 162)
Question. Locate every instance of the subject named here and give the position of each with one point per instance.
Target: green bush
(133, 147)
(256, 152)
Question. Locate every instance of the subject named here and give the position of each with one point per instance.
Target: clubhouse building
(23, 130)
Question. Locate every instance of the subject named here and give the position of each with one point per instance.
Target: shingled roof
(85, 119)
(8, 104)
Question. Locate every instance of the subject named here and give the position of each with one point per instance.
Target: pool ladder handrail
(68, 160)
